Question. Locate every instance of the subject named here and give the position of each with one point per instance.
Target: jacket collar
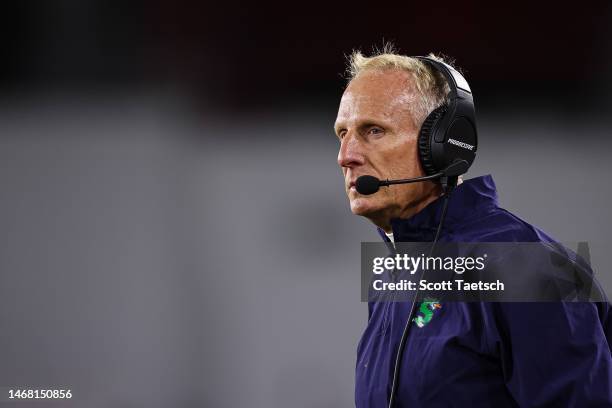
(471, 199)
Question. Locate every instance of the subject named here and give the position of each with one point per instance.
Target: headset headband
(454, 79)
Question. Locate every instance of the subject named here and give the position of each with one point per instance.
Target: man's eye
(341, 134)
(376, 131)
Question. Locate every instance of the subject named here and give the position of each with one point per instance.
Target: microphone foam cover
(367, 185)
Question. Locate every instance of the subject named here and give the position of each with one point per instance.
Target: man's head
(381, 111)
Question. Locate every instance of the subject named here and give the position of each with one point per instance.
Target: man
(469, 354)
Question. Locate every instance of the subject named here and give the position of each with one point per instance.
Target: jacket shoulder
(500, 225)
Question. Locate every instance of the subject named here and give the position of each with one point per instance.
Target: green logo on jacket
(426, 312)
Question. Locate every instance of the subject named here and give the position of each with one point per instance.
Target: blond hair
(431, 85)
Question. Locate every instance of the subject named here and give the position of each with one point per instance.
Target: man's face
(378, 137)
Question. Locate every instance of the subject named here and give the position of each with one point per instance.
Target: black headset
(448, 134)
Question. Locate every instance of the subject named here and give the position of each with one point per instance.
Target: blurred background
(174, 230)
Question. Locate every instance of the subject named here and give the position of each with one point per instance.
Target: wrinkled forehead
(377, 93)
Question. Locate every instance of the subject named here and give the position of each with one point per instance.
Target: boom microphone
(367, 185)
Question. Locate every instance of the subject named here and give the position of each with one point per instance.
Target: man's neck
(383, 221)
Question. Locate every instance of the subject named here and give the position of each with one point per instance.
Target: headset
(447, 144)
(448, 134)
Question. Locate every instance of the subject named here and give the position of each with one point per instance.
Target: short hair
(431, 85)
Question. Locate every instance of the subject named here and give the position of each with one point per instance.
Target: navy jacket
(480, 354)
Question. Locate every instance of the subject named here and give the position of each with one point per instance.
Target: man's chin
(364, 206)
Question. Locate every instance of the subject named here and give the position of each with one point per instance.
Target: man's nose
(351, 152)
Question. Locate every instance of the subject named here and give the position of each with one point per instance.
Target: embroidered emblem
(426, 312)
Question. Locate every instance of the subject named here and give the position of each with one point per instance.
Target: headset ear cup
(425, 138)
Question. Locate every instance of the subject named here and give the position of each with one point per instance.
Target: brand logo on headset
(461, 144)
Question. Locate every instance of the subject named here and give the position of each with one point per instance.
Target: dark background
(242, 57)
(174, 226)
